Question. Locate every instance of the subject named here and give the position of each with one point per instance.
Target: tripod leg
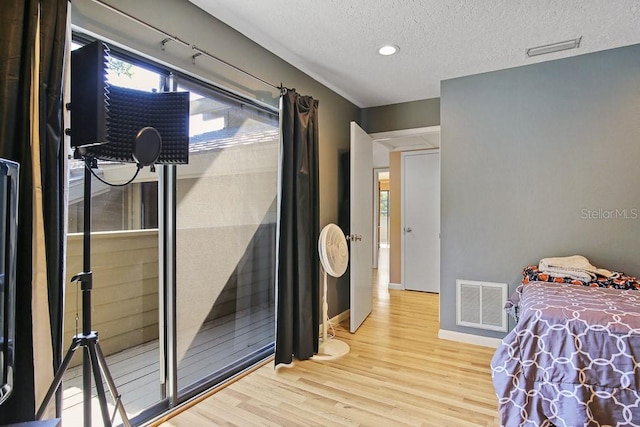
(57, 380)
(91, 347)
(86, 386)
(112, 386)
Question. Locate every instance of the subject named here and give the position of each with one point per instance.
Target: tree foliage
(119, 67)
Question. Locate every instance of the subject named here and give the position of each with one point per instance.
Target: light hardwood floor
(397, 373)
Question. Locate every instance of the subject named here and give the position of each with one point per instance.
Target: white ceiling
(336, 41)
(409, 139)
(424, 138)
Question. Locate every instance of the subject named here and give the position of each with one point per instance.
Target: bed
(573, 358)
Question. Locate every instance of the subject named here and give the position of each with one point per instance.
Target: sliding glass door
(225, 239)
(179, 309)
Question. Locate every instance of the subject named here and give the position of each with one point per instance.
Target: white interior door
(421, 220)
(361, 226)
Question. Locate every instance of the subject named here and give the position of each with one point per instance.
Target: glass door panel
(225, 239)
(124, 262)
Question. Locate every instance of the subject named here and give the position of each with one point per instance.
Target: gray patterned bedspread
(573, 358)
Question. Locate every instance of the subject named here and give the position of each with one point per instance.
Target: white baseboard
(397, 286)
(339, 318)
(469, 338)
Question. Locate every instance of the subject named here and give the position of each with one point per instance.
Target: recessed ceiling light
(554, 47)
(388, 49)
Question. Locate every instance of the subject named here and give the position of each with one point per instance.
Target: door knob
(408, 229)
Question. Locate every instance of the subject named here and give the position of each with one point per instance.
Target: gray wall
(528, 154)
(184, 20)
(405, 115)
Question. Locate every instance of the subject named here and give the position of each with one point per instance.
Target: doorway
(381, 211)
(387, 155)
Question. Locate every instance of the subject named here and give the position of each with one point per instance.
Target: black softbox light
(114, 123)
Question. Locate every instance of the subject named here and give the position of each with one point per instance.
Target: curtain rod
(171, 38)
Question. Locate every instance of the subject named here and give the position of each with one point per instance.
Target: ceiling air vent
(554, 47)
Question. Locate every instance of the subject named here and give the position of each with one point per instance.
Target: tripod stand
(93, 361)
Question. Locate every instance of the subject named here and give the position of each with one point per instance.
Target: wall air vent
(481, 305)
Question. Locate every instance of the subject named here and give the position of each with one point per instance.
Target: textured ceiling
(336, 41)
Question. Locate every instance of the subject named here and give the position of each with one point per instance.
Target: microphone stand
(93, 360)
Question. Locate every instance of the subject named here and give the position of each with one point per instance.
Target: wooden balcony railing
(125, 288)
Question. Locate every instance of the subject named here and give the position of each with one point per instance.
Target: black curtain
(297, 317)
(53, 160)
(18, 31)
